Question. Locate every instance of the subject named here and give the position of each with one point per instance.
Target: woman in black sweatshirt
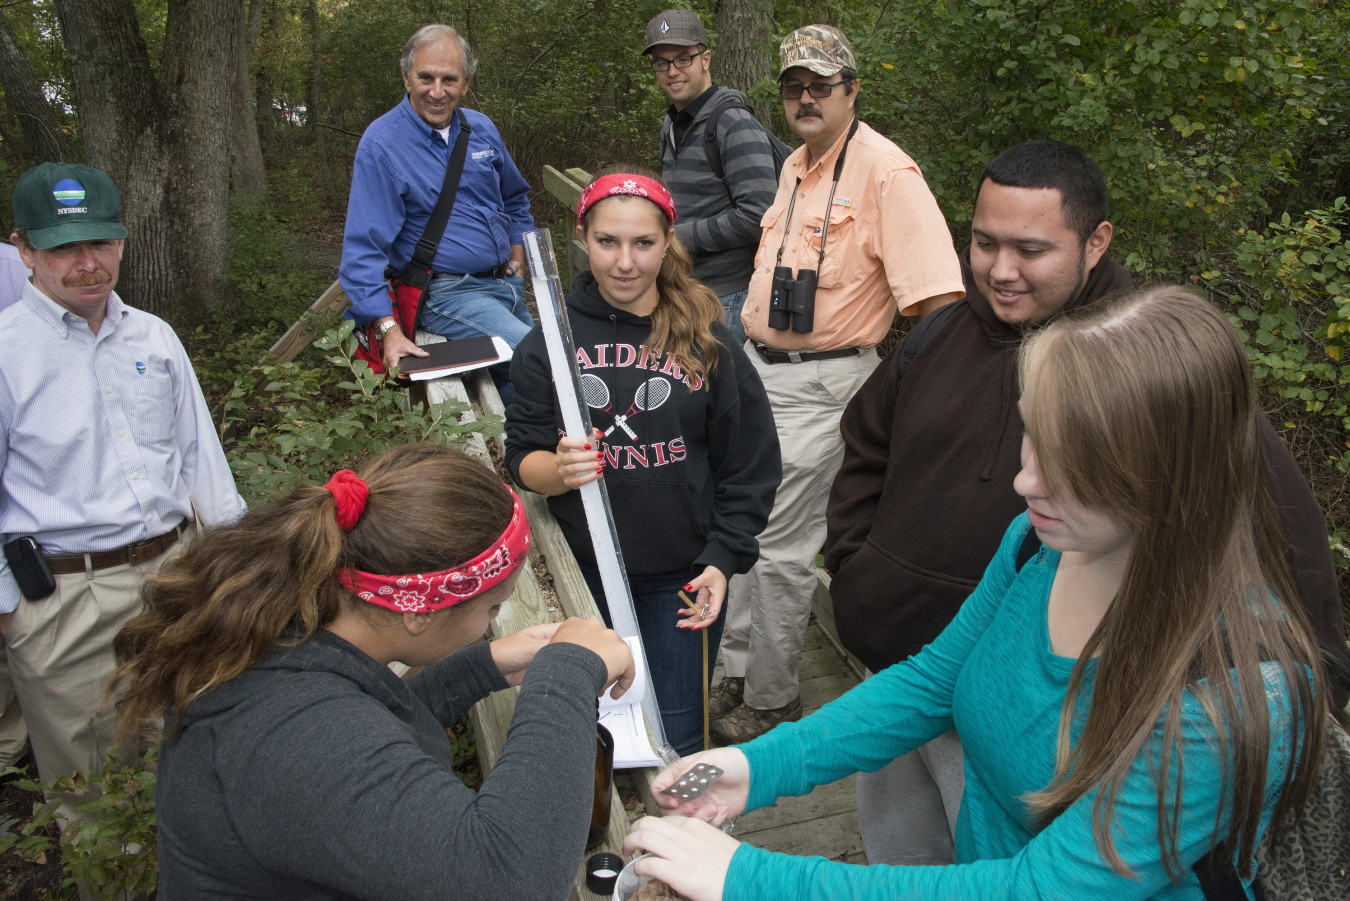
(685, 438)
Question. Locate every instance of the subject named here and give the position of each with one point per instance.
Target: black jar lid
(601, 871)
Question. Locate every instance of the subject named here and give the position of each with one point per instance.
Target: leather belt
(139, 552)
(494, 272)
(771, 356)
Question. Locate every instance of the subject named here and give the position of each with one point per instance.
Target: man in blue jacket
(477, 288)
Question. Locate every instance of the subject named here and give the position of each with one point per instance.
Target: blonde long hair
(1145, 407)
(686, 308)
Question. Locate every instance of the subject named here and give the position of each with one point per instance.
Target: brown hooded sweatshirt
(925, 491)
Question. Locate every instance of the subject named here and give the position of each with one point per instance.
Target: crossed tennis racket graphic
(650, 395)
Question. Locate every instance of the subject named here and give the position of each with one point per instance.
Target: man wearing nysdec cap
(107, 447)
(397, 176)
(720, 206)
(853, 235)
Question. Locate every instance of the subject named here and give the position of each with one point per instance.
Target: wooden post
(566, 188)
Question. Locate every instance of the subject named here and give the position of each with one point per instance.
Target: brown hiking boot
(745, 723)
(725, 696)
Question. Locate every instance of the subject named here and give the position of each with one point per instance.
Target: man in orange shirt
(883, 246)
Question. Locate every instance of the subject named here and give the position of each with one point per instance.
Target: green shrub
(304, 436)
(112, 849)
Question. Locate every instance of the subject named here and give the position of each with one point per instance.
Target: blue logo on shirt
(140, 367)
(68, 192)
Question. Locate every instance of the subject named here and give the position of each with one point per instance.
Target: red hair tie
(350, 491)
(623, 184)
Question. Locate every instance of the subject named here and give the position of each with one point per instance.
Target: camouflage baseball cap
(821, 48)
(675, 26)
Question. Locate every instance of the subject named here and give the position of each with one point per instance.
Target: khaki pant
(768, 607)
(60, 657)
(13, 732)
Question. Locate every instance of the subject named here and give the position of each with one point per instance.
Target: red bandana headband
(630, 185)
(422, 592)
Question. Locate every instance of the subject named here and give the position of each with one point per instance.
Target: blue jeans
(674, 655)
(468, 307)
(732, 303)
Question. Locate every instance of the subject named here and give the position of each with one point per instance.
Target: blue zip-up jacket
(396, 180)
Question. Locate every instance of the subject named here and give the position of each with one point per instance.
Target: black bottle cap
(601, 871)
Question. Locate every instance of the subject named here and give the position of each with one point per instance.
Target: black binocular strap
(825, 226)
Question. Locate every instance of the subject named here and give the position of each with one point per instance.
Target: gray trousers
(907, 809)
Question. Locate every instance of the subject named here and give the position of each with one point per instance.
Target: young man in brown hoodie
(931, 446)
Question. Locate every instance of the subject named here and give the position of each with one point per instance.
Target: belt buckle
(794, 355)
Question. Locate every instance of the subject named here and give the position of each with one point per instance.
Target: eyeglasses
(819, 90)
(680, 62)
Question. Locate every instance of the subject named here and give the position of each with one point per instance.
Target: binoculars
(792, 301)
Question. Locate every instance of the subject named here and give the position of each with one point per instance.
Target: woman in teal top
(1139, 691)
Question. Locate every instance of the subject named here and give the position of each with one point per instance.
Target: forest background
(230, 127)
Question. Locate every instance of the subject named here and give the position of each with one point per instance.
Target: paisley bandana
(423, 592)
(631, 185)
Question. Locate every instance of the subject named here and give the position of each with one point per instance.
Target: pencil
(707, 733)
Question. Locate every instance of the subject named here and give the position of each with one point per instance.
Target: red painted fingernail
(600, 455)
(600, 471)
(689, 587)
(587, 446)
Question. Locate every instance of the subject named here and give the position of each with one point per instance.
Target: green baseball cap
(60, 203)
(823, 49)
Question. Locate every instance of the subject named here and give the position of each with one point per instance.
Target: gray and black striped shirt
(718, 219)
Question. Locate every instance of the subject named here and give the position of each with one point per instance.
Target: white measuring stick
(576, 420)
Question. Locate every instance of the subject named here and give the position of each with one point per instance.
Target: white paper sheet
(503, 356)
(624, 720)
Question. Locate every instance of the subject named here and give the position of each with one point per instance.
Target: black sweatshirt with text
(691, 464)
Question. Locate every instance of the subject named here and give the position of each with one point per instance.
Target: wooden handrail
(565, 187)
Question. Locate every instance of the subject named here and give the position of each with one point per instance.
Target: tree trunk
(739, 61)
(25, 100)
(315, 89)
(163, 142)
(246, 162)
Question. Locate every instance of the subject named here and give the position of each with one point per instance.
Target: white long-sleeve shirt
(104, 440)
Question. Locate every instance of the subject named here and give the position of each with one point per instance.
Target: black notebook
(450, 355)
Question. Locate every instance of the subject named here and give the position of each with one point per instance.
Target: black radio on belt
(792, 300)
(30, 568)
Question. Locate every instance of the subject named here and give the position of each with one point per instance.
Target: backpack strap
(1031, 546)
(919, 335)
(711, 146)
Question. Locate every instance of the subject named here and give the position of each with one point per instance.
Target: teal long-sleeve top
(992, 674)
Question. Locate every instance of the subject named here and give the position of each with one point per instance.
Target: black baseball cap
(60, 203)
(675, 26)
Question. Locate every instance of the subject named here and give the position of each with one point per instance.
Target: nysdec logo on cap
(68, 192)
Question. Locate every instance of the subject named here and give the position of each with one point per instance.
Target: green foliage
(268, 284)
(307, 433)
(465, 751)
(111, 849)
(1290, 298)
(1193, 109)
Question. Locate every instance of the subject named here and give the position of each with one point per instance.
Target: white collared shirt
(106, 439)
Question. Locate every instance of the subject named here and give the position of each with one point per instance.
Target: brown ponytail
(683, 318)
(219, 607)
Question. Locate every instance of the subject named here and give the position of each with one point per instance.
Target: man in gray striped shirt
(106, 449)
(718, 218)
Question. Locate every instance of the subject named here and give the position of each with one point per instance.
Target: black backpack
(714, 152)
